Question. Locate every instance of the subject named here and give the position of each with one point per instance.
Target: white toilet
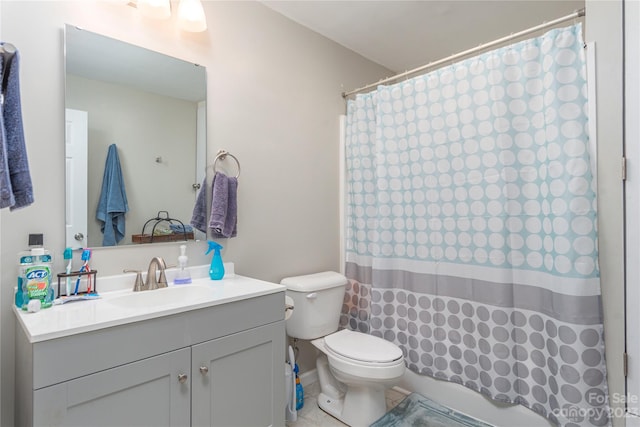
(353, 368)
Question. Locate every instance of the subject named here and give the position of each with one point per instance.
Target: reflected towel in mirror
(112, 204)
(199, 215)
(180, 228)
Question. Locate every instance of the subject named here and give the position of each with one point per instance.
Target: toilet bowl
(365, 365)
(354, 368)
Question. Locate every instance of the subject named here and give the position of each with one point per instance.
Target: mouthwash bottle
(34, 277)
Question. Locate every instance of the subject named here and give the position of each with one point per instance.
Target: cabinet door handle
(204, 370)
(182, 378)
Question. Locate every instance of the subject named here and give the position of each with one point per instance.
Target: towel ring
(222, 154)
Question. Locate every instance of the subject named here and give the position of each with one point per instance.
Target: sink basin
(173, 295)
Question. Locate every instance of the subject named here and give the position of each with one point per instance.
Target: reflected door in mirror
(76, 139)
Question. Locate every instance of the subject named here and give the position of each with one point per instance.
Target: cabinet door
(238, 380)
(143, 393)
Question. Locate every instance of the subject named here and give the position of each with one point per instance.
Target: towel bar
(222, 154)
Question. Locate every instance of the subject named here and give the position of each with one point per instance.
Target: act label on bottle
(38, 281)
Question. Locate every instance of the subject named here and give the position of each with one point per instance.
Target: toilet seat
(363, 348)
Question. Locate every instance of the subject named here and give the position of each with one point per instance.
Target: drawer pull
(204, 370)
(182, 378)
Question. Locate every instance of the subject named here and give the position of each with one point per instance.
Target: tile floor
(312, 416)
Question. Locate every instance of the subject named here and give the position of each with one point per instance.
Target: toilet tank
(317, 300)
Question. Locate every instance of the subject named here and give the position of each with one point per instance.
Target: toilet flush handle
(312, 295)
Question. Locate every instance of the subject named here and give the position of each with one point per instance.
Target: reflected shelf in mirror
(163, 228)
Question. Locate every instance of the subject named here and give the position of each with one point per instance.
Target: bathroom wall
(274, 98)
(128, 117)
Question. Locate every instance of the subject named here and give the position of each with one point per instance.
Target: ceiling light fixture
(191, 16)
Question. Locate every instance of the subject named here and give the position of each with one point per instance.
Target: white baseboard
(309, 377)
(401, 390)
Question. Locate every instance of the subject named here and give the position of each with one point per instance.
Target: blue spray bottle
(216, 270)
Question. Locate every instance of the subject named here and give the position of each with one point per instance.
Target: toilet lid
(363, 347)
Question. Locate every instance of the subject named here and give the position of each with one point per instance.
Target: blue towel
(224, 208)
(112, 204)
(16, 190)
(199, 215)
(177, 228)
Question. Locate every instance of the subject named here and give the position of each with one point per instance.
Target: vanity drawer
(62, 359)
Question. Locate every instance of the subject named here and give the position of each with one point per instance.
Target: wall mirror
(153, 108)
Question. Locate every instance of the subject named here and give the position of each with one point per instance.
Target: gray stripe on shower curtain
(511, 355)
(584, 310)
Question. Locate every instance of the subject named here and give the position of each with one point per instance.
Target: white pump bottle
(182, 277)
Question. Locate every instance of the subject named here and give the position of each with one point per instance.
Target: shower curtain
(471, 227)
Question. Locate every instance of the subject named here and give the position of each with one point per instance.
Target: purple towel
(224, 207)
(16, 189)
(199, 215)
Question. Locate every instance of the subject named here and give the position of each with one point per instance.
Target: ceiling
(402, 35)
(397, 34)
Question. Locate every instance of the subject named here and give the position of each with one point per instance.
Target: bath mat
(418, 411)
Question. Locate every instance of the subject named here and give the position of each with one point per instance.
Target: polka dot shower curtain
(471, 227)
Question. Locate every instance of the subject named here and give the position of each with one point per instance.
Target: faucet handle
(139, 284)
(162, 280)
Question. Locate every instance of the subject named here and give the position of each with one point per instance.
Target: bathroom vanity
(206, 354)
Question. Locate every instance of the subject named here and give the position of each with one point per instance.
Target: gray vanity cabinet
(232, 379)
(215, 366)
(143, 393)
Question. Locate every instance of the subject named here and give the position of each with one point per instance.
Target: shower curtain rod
(577, 14)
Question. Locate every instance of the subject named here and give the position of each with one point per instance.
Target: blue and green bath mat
(418, 411)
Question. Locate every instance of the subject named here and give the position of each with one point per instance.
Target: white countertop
(85, 316)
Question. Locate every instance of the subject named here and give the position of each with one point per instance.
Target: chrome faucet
(153, 282)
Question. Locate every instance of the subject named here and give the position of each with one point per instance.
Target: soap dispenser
(216, 270)
(182, 277)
